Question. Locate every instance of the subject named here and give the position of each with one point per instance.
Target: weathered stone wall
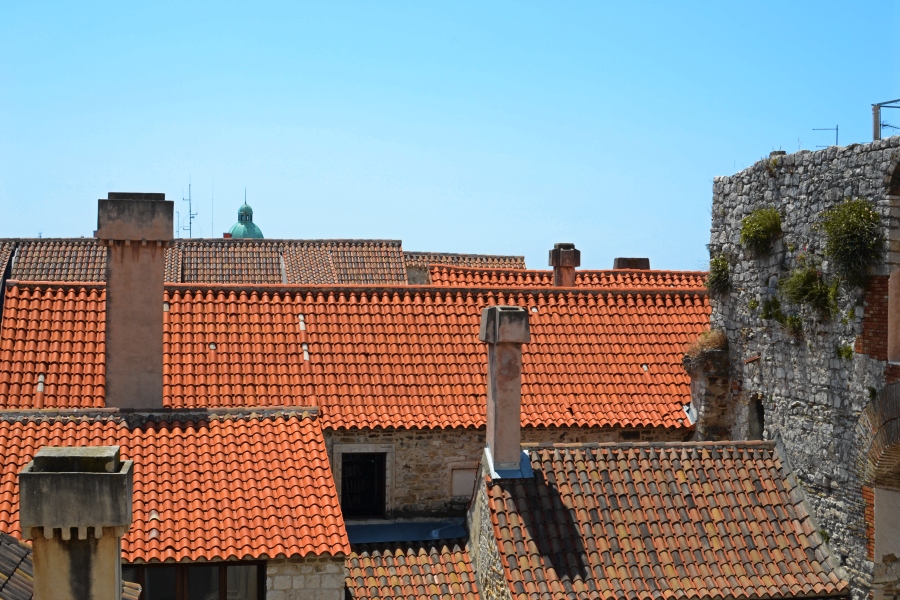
(489, 573)
(420, 462)
(811, 396)
(312, 578)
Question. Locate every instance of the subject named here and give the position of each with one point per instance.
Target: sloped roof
(206, 486)
(438, 570)
(16, 569)
(392, 357)
(221, 261)
(424, 259)
(677, 520)
(7, 247)
(59, 260)
(612, 279)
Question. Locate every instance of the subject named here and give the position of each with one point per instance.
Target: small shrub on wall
(760, 228)
(718, 281)
(807, 285)
(854, 239)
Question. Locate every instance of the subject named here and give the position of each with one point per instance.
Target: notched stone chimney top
(565, 255)
(76, 489)
(135, 216)
(504, 324)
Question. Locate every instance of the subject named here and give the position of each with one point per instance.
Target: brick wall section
(312, 578)
(873, 339)
(424, 459)
(891, 374)
(868, 494)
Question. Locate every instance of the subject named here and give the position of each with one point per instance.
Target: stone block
(282, 582)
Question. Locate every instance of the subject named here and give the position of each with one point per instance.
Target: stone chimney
(640, 264)
(504, 329)
(564, 258)
(75, 506)
(136, 228)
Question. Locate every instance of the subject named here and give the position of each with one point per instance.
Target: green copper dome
(245, 228)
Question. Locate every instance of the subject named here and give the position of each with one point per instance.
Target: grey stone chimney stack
(136, 228)
(504, 329)
(75, 506)
(564, 258)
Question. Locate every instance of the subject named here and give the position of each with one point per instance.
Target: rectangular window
(363, 484)
(209, 581)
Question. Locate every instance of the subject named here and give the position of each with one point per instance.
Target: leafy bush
(854, 238)
(753, 304)
(719, 280)
(759, 229)
(845, 352)
(806, 285)
(771, 309)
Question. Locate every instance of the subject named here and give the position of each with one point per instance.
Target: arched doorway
(879, 468)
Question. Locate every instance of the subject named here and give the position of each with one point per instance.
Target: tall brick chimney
(564, 258)
(136, 228)
(75, 506)
(504, 329)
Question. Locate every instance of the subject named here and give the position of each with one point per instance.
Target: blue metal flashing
(523, 472)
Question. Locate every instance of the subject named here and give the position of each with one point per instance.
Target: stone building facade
(823, 386)
(431, 472)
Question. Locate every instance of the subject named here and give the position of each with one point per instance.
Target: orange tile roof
(59, 260)
(401, 357)
(424, 259)
(638, 521)
(219, 261)
(206, 486)
(412, 571)
(614, 279)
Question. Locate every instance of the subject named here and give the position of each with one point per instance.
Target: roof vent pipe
(564, 258)
(504, 329)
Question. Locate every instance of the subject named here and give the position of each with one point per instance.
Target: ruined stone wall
(421, 462)
(811, 396)
(311, 578)
(485, 555)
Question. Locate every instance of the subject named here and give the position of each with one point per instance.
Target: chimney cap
(90, 459)
(152, 196)
(565, 254)
(641, 264)
(504, 324)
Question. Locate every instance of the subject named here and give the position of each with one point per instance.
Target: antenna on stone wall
(190, 215)
(877, 123)
(834, 129)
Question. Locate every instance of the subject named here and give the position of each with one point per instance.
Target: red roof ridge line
(426, 252)
(450, 267)
(283, 240)
(626, 445)
(62, 284)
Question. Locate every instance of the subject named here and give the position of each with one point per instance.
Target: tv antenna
(877, 123)
(190, 215)
(834, 129)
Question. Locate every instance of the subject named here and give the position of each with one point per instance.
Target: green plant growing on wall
(771, 309)
(807, 285)
(718, 281)
(845, 351)
(794, 324)
(753, 304)
(759, 229)
(854, 239)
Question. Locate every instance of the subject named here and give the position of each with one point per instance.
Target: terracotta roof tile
(16, 569)
(7, 247)
(59, 260)
(401, 357)
(425, 259)
(435, 570)
(611, 279)
(244, 488)
(640, 521)
(221, 261)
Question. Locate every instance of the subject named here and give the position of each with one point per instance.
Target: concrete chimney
(564, 258)
(640, 264)
(75, 506)
(136, 228)
(504, 329)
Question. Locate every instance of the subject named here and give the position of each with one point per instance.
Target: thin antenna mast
(877, 123)
(190, 215)
(212, 211)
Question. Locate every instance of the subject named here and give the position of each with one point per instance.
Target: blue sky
(457, 127)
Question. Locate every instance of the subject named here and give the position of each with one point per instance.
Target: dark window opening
(221, 581)
(757, 419)
(363, 484)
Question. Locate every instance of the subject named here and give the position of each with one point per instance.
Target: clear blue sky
(458, 127)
